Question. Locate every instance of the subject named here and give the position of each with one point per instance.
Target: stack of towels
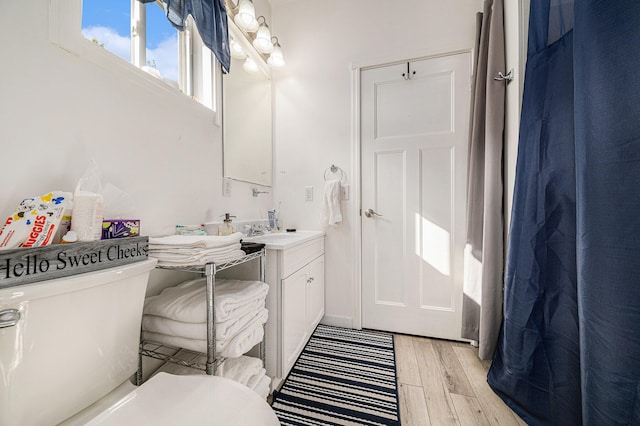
(178, 317)
(195, 250)
(249, 371)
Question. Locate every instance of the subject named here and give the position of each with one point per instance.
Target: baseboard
(337, 321)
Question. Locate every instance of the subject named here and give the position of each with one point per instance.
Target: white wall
(58, 111)
(313, 103)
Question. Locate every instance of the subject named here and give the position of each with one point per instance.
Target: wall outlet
(226, 187)
(308, 193)
(345, 192)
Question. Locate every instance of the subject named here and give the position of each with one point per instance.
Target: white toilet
(69, 357)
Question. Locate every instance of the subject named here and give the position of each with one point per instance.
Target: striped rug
(342, 377)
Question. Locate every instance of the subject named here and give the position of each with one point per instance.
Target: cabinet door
(294, 325)
(315, 293)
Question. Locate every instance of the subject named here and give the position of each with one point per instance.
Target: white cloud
(113, 42)
(165, 55)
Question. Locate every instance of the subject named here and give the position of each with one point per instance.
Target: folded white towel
(187, 302)
(331, 214)
(200, 241)
(255, 379)
(255, 312)
(241, 369)
(263, 387)
(162, 325)
(237, 346)
(243, 341)
(233, 296)
(200, 260)
(189, 253)
(224, 330)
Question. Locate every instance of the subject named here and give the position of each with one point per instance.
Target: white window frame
(199, 71)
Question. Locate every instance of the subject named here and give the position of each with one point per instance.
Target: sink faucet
(254, 230)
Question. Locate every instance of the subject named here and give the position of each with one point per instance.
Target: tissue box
(120, 228)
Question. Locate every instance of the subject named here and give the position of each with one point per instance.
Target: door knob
(371, 213)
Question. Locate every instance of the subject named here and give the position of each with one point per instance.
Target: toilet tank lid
(188, 399)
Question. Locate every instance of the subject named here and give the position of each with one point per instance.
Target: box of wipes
(36, 221)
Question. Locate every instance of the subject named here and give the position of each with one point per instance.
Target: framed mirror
(247, 124)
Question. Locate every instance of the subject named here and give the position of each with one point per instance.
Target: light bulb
(246, 16)
(262, 42)
(250, 65)
(236, 50)
(276, 59)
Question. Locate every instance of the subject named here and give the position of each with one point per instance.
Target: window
(140, 34)
(136, 32)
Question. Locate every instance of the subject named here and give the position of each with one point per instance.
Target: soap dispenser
(226, 228)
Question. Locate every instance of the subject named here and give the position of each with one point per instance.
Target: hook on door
(408, 75)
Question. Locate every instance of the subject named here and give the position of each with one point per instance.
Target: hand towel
(225, 330)
(331, 203)
(186, 302)
(241, 369)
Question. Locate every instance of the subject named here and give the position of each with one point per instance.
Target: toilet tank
(77, 339)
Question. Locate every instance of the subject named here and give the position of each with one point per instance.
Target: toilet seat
(168, 399)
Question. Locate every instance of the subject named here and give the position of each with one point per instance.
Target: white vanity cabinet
(302, 309)
(295, 274)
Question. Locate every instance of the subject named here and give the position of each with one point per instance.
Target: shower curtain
(569, 349)
(484, 251)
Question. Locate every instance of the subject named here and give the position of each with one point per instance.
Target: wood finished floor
(444, 383)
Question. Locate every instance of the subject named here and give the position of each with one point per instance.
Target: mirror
(246, 115)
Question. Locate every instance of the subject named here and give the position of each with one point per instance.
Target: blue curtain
(210, 17)
(569, 349)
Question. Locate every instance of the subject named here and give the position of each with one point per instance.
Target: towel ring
(334, 169)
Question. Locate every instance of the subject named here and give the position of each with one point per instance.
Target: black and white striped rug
(342, 377)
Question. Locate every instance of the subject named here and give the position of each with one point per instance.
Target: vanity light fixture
(276, 58)
(246, 16)
(262, 42)
(251, 37)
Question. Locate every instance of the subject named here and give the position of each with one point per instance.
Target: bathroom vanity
(295, 274)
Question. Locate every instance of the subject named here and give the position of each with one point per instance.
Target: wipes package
(36, 221)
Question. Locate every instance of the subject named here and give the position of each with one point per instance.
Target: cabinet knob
(310, 279)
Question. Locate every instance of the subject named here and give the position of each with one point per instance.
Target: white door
(414, 136)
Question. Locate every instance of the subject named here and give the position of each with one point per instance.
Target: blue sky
(108, 21)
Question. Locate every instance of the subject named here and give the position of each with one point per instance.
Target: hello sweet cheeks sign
(28, 265)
